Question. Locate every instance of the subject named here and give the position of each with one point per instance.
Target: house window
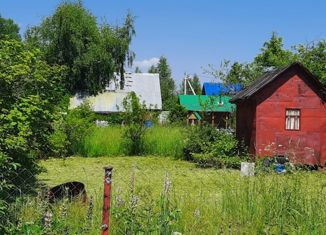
(292, 121)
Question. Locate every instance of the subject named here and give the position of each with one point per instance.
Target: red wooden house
(284, 113)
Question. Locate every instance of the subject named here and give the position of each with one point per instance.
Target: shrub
(29, 92)
(79, 123)
(134, 118)
(177, 114)
(210, 147)
(199, 140)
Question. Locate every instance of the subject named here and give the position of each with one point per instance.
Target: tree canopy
(92, 53)
(8, 29)
(273, 55)
(166, 82)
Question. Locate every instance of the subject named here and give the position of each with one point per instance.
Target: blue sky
(193, 34)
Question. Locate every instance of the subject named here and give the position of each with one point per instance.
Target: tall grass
(108, 141)
(164, 141)
(199, 201)
(104, 141)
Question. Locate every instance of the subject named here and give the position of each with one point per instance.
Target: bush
(210, 147)
(29, 92)
(199, 140)
(79, 123)
(134, 117)
(177, 114)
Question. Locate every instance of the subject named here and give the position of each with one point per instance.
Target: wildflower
(119, 201)
(197, 213)
(134, 201)
(90, 211)
(63, 208)
(167, 184)
(89, 217)
(47, 219)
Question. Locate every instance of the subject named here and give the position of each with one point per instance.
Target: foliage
(124, 54)
(211, 147)
(272, 56)
(92, 54)
(112, 118)
(177, 114)
(8, 29)
(153, 69)
(29, 92)
(199, 139)
(167, 83)
(79, 123)
(313, 56)
(134, 117)
(196, 84)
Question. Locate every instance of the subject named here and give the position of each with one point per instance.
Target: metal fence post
(106, 200)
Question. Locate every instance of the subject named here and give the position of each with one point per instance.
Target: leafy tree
(125, 34)
(92, 54)
(195, 82)
(166, 82)
(313, 56)
(8, 29)
(273, 55)
(30, 90)
(178, 114)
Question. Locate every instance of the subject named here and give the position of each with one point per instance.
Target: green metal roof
(198, 116)
(206, 103)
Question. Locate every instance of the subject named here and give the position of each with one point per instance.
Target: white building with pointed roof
(145, 85)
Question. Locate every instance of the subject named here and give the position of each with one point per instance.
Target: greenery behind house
(59, 58)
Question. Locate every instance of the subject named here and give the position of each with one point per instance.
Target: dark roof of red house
(269, 77)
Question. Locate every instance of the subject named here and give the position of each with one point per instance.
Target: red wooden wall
(264, 131)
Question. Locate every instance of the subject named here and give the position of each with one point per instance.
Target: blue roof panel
(213, 88)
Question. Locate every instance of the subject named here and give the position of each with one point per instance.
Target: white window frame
(292, 119)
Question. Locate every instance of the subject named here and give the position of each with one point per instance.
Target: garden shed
(213, 109)
(284, 113)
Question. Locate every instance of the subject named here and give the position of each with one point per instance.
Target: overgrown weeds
(158, 140)
(161, 196)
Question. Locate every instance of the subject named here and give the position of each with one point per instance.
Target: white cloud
(144, 65)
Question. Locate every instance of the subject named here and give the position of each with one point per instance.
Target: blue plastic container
(280, 168)
(149, 123)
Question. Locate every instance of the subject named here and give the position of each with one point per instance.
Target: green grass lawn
(197, 201)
